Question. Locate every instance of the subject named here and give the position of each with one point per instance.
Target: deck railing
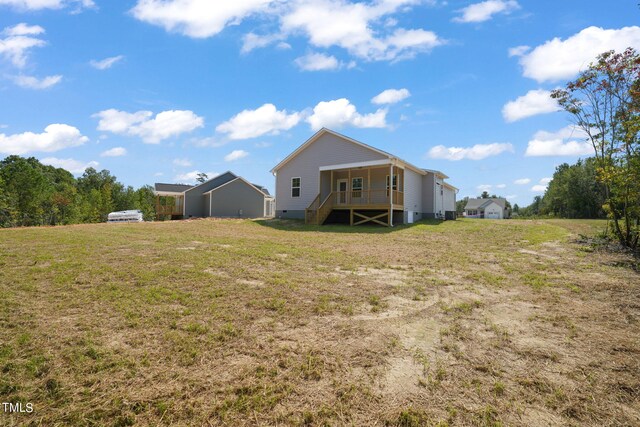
(318, 211)
(367, 198)
(168, 205)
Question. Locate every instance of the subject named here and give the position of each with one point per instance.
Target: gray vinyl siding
(206, 204)
(327, 150)
(449, 199)
(428, 194)
(194, 202)
(413, 193)
(236, 196)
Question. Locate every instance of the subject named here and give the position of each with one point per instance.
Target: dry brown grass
(273, 323)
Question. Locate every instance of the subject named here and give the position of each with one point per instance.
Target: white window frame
(299, 187)
(354, 188)
(396, 178)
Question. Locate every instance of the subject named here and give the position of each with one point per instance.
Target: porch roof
(355, 165)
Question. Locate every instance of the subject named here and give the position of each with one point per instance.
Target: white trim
(322, 131)
(167, 193)
(446, 184)
(355, 165)
(361, 178)
(210, 202)
(299, 187)
(346, 190)
(317, 135)
(435, 172)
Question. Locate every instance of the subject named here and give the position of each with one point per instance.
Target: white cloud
(114, 152)
(106, 63)
(235, 155)
(191, 177)
(518, 50)
(317, 62)
(511, 197)
(569, 141)
(73, 166)
(55, 137)
(23, 29)
(542, 185)
(480, 12)
(262, 121)
(501, 186)
(522, 181)
(353, 26)
(340, 113)
(484, 187)
(477, 152)
(45, 4)
(197, 18)
(31, 82)
(360, 28)
(212, 141)
(535, 102)
(164, 125)
(182, 162)
(391, 96)
(19, 41)
(545, 181)
(562, 59)
(253, 41)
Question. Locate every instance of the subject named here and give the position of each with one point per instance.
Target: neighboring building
(493, 208)
(226, 195)
(334, 178)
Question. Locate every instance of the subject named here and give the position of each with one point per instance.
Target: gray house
(494, 207)
(334, 178)
(226, 195)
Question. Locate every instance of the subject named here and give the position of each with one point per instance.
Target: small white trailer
(125, 216)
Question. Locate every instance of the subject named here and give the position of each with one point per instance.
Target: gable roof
(261, 188)
(435, 172)
(217, 180)
(323, 131)
(253, 186)
(483, 203)
(171, 188)
(316, 136)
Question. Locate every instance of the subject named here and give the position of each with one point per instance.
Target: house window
(395, 183)
(356, 187)
(295, 187)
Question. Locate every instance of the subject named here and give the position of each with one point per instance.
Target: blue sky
(156, 91)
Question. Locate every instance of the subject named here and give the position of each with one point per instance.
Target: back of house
(334, 178)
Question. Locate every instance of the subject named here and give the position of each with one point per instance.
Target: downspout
(391, 195)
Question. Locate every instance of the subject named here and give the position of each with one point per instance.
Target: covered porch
(369, 191)
(169, 204)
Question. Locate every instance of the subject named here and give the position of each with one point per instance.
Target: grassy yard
(230, 322)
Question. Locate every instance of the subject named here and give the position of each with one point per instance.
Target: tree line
(604, 103)
(35, 194)
(573, 192)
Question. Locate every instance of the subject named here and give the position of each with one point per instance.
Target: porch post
(331, 186)
(391, 196)
(349, 187)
